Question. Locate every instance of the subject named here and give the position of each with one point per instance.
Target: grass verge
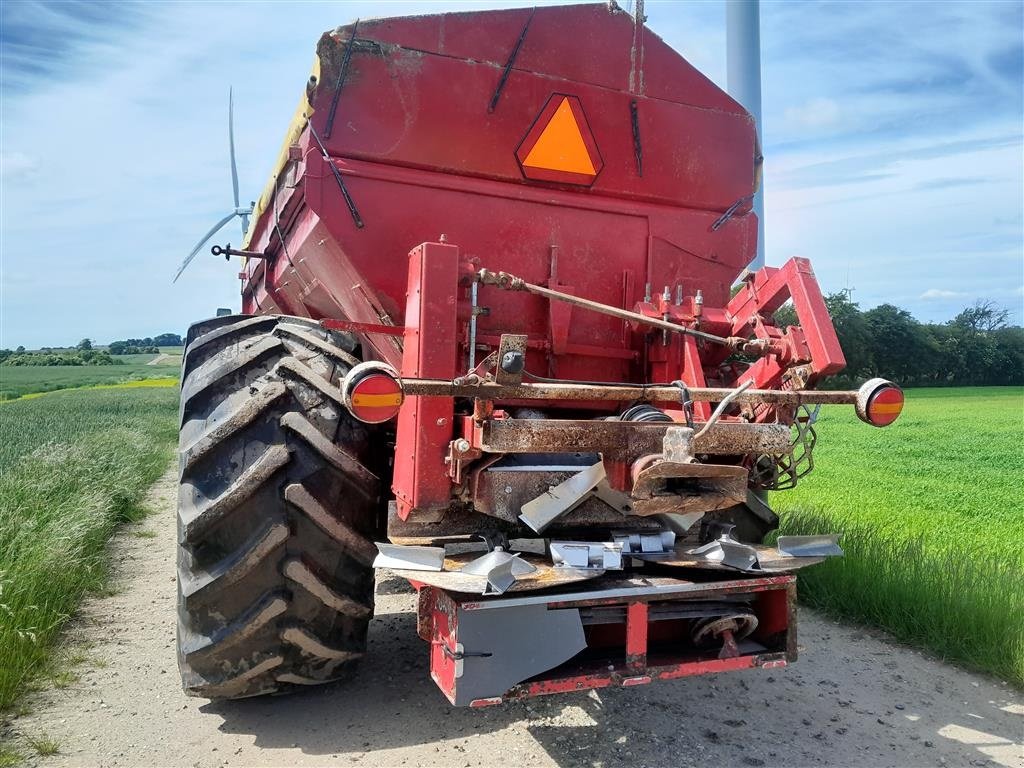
(930, 512)
(73, 466)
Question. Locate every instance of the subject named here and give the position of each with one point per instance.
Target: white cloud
(939, 293)
(15, 166)
(819, 112)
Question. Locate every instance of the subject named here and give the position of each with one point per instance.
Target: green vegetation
(931, 515)
(83, 357)
(144, 358)
(10, 757)
(16, 382)
(141, 346)
(976, 348)
(73, 465)
(25, 371)
(44, 744)
(120, 348)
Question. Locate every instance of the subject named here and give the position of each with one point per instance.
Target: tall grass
(73, 465)
(932, 516)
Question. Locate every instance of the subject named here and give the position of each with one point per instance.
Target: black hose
(645, 412)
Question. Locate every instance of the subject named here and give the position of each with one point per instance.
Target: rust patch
(625, 440)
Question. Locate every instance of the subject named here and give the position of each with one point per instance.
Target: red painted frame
(631, 663)
(421, 479)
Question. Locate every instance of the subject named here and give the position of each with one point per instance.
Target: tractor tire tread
(277, 507)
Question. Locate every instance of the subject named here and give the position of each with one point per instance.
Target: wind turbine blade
(231, 143)
(213, 231)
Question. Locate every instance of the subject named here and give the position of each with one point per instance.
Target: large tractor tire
(276, 509)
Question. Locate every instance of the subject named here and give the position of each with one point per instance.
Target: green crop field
(932, 515)
(17, 381)
(72, 466)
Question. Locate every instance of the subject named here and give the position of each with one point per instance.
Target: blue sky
(892, 133)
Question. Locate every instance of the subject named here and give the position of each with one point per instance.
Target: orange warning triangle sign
(560, 146)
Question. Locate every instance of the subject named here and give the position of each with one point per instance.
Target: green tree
(854, 335)
(901, 348)
(785, 315)
(985, 316)
(84, 344)
(1008, 368)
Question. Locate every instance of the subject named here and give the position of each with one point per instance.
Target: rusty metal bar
(626, 438)
(350, 325)
(512, 283)
(645, 393)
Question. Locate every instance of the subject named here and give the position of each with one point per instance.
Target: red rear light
(879, 402)
(373, 392)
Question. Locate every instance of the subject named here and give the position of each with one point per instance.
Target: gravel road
(853, 699)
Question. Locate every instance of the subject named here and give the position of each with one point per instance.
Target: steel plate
(451, 580)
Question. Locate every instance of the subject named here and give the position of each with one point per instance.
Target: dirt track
(852, 699)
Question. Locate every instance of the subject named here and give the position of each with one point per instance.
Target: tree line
(146, 345)
(84, 352)
(978, 347)
(77, 357)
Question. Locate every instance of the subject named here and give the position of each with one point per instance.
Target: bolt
(442, 421)
(462, 445)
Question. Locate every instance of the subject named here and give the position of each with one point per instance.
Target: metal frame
(582, 392)
(624, 440)
(421, 479)
(434, 449)
(649, 643)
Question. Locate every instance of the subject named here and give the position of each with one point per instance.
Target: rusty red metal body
(423, 161)
(572, 148)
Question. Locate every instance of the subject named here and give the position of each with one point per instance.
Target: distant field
(932, 515)
(16, 381)
(72, 466)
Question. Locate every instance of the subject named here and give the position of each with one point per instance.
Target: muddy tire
(276, 510)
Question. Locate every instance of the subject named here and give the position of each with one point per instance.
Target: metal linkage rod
(342, 74)
(512, 283)
(649, 393)
(349, 203)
